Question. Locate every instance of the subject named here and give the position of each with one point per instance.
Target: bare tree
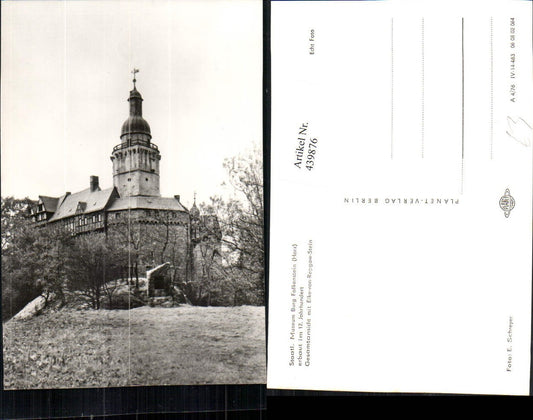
(33, 259)
(241, 220)
(92, 263)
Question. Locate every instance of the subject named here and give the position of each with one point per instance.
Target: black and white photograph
(132, 193)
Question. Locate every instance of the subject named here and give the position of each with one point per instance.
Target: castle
(158, 229)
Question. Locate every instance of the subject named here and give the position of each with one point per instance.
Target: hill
(142, 346)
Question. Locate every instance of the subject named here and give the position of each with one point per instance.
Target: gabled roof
(94, 201)
(140, 202)
(160, 269)
(49, 203)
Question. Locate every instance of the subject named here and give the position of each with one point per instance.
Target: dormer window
(81, 207)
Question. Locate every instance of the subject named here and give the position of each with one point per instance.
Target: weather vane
(134, 72)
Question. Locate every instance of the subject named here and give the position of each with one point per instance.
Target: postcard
(401, 192)
(132, 200)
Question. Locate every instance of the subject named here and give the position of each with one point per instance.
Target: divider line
(422, 122)
(462, 101)
(491, 87)
(392, 92)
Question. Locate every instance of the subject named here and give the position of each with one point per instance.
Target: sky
(66, 76)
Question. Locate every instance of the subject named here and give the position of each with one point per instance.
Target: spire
(134, 72)
(135, 125)
(135, 98)
(195, 213)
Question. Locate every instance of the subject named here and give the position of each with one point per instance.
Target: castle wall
(153, 237)
(150, 237)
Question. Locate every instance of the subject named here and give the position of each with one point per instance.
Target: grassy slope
(143, 346)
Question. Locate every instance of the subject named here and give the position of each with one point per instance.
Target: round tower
(136, 158)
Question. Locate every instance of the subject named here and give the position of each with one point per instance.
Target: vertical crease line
(462, 101)
(129, 219)
(129, 289)
(392, 92)
(491, 87)
(169, 54)
(422, 122)
(65, 85)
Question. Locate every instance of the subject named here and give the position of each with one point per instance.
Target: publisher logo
(507, 203)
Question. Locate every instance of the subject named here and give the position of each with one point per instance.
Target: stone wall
(154, 238)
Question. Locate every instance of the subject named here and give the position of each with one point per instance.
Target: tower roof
(134, 93)
(142, 202)
(135, 124)
(194, 212)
